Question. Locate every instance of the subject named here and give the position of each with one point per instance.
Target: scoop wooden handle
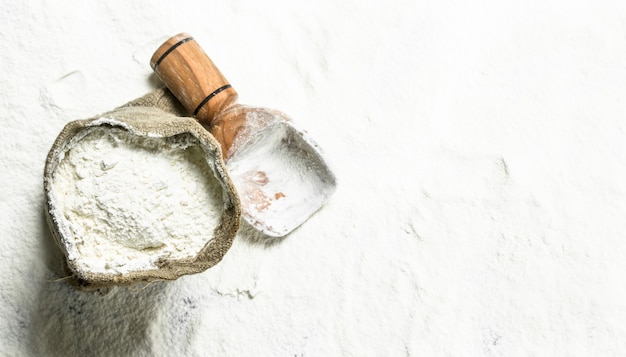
(193, 78)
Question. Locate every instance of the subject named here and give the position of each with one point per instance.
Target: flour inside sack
(127, 201)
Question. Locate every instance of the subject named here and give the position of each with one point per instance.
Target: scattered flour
(130, 200)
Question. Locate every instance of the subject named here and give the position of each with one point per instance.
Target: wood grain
(194, 79)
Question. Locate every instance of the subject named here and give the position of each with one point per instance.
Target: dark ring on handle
(208, 97)
(170, 50)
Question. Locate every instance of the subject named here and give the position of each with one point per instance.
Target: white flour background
(480, 149)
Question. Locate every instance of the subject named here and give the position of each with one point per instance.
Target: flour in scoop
(281, 178)
(128, 201)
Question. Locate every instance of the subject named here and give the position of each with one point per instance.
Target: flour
(130, 200)
(429, 247)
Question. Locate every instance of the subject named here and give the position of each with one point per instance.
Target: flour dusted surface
(130, 200)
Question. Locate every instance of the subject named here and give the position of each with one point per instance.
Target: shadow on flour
(252, 236)
(121, 321)
(154, 82)
(111, 322)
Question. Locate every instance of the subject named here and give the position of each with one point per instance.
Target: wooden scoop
(279, 172)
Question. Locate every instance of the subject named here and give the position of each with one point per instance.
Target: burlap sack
(156, 114)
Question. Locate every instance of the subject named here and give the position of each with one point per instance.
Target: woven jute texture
(156, 114)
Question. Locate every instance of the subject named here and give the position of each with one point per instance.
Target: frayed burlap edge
(154, 114)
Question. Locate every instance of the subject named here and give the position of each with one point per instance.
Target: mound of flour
(130, 200)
